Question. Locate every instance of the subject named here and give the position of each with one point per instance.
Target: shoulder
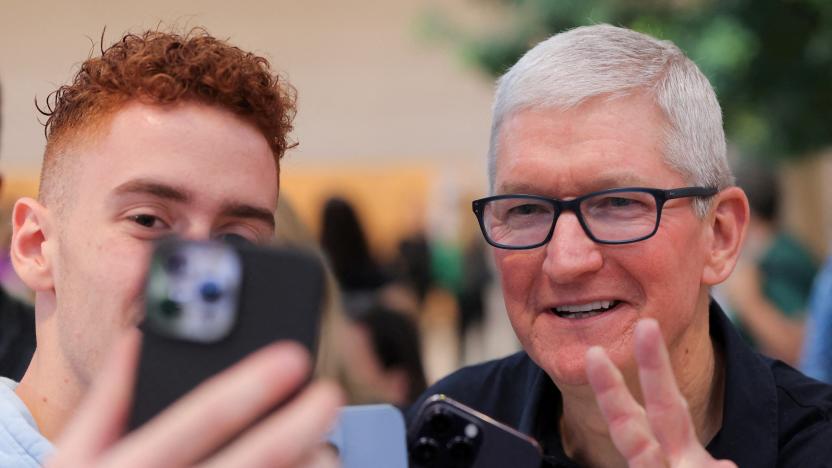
(804, 408)
(498, 388)
(21, 444)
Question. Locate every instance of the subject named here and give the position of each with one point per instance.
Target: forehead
(202, 148)
(600, 144)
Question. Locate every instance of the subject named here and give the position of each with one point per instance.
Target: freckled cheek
(126, 269)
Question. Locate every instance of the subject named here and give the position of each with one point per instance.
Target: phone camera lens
(440, 422)
(175, 264)
(210, 291)
(461, 451)
(425, 450)
(170, 309)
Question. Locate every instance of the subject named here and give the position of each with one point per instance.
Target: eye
(526, 209)
(620, 201)
(148, 221)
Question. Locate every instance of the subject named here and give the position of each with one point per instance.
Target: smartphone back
(370, 436)
(448, 434)
(210, 304)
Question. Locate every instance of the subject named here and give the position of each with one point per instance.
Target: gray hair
(574, 66)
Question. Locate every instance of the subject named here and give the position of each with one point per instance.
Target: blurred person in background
(382, 357)
(378, 357)
(471, 295)
(412, 266)
(769, 291)
(345, 244)
(162, 134)
(292, 232)
(817, 351)
(17, 323)
(612, 214)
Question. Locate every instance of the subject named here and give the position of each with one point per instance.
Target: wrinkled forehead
(624, 116)
(603, 141)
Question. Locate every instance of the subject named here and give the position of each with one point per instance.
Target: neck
(699, 374)
(51, 394)
(50, 388)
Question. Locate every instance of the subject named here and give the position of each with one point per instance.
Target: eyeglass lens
(610, 217)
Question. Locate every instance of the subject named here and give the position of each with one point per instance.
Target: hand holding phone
(448, 434)
(197, 428)
(210, 304)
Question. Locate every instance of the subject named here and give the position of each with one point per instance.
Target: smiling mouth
(579, 311)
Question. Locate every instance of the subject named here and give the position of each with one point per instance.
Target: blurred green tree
(769, 60)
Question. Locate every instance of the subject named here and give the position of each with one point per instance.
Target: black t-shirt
(17, 336)
(773, 415)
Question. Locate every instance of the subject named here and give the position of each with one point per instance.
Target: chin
(565, 366)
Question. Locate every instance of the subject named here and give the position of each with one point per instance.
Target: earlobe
(28, 249)
(728, 222)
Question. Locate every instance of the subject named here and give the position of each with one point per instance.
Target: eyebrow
(156, 189)
(244, 210)
(168, 192)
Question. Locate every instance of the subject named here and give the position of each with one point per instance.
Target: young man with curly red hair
(162, 134)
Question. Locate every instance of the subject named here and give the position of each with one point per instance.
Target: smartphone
(370, 436)
(209, 304)
(448, 434)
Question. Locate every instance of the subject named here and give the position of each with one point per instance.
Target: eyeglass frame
(660, 195)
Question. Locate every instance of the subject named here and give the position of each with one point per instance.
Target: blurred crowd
(381, 313)
(396, 320)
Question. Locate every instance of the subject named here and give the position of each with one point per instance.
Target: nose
(196, 231)
(570, 254)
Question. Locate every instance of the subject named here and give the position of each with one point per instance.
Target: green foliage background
(769, 60)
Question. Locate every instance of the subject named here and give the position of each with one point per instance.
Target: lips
(584, 310)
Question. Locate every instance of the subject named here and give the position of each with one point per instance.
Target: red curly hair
(165, 68)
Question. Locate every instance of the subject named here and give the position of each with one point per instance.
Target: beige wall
(375, 97)
(807, 204)
(372, 89)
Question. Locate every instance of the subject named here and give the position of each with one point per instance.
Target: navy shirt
(773, 415)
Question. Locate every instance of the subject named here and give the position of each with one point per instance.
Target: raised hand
(207, 418)
(660, 433)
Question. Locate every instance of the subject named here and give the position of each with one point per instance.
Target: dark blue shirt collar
(749, 423)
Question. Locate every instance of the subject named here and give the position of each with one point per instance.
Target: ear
(28, 249)
(727, 223)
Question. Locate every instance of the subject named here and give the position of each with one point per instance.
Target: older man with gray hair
(613, 212)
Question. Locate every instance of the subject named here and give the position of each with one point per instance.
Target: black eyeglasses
(614, 216)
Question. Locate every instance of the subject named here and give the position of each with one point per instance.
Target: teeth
(592, 306)
(577, 311)
(584, 314)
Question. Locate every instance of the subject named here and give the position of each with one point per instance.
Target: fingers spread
(217, 410)
(626, 419)
(667, 409)
(288, 438)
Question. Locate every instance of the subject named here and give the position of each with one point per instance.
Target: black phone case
(499, 446)
(280, 298)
